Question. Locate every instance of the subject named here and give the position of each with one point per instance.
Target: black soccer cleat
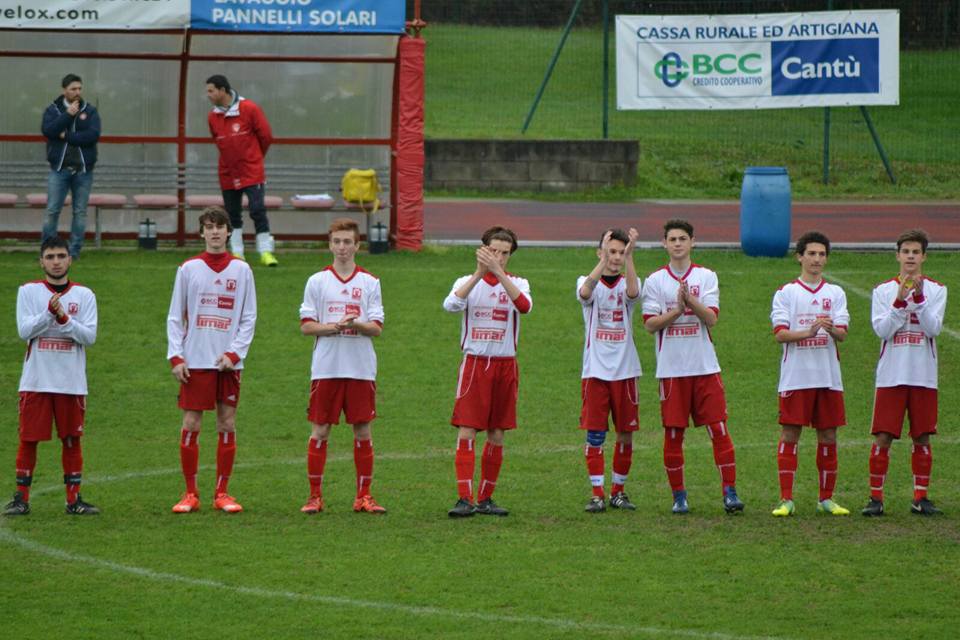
(490, 508)
(17, 507)
(596, 505)
(463, 509)
(81, 508)
(621, 501)
(924, 507)
(874, 508)
(731, 501)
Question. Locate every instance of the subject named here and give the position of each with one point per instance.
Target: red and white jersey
(908, 330)
(327, 299)
(491, 321)
(683, 348)
(56, 358)
(608, 349)
(811, 363)
(213, 311)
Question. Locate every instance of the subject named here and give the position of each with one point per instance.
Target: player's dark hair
(677, 223)
(814, 237)
(500, 233)
(346, 224)
(615, 234)
(914, 235)
(53, 242)
(69, 79)
(220, 82)
(216, 215)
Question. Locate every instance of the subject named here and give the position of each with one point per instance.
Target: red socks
(622, 459)
(723, 453)
(595, 467)
(226, 452)
(72, 458)
(490, 465)
(673, 456)
(316, 461)
(827, 467)
(26, 463)
(879, 462)
(363, 460)
(922, 463)
(464, 461)
(189, 458)
(787, 464)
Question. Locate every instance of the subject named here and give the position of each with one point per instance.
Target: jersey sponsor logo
(816, 342)
(351, 309)
(356, 293)
(225, 302)
(908, 338)
(218, 301)
(491, 313)
(487, 334)
(231, 285)
(73, 308)
(685, 330)
(57, 345)
(218, 323)
(611, 335)
(610, 315)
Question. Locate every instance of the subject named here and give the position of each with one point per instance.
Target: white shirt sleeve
(650, 297)
(176, 331)
(886, 318)
(31, 326)
(780, 311)
(930, 311)
(452, 303)
(82, 328)
(308, 308)
(248, 318)
(710, 296)
(585, 301)
(375, 303)
(841, 315)
(524, 287)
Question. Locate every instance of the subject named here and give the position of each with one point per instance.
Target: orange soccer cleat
(227, 504)
(314, 505)
(367, 504)
(189, 503)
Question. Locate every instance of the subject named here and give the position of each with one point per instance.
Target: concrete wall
(530, 165)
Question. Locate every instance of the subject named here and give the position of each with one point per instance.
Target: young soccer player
(809, 318)
(681, 302)
(213, 312)
(343, 310)
(608, 383)
(491, 301)
(907, 316)
(58, 320)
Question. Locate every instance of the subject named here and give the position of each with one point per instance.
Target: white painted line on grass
(868, 295)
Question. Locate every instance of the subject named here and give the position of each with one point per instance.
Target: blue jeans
(78, 184)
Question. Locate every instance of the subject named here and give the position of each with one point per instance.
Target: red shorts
(891, 403)
(329, 397)
(209, 387)
(820, 408)
(699, 397)
(605, 397)
(38, 411)
(486, 394)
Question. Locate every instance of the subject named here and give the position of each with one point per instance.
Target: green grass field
(481, 82)
(547, 571)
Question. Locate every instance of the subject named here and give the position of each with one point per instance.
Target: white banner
(765, 61)
(94, 14)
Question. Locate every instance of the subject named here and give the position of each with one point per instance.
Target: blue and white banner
(765, 61)
(313, 16)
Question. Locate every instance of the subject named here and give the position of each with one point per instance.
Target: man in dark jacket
(72, 128)
(242, 135)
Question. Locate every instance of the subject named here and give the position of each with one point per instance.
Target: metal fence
(487, 58)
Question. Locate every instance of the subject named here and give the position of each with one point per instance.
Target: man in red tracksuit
(243, 136)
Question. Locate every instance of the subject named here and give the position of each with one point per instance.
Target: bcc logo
(671, 69)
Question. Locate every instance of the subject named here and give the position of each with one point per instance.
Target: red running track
(858, 222)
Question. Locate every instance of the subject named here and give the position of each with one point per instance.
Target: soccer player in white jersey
(608, 385)
(907, 314)
(681, 302)
(491, 301)
(213, 312)
(343, 310)
(809, 318)
(58, 320)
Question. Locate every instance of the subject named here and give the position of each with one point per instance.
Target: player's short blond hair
(346, 224)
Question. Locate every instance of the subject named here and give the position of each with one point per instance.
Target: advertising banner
(764, 61)
(313, 16)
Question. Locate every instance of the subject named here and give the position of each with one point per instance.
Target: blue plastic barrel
(765, 211)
